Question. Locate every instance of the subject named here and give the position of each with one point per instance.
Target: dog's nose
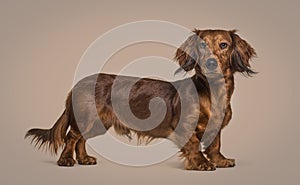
(211, 64)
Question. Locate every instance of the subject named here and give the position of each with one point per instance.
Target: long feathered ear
(241, 55)
(187, 55)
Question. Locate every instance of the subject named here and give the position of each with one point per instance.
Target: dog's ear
(187, 54)
(241, 55)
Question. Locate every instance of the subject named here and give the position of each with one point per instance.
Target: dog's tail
(52, 138)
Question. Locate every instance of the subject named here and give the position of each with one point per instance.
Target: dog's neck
(215, 86)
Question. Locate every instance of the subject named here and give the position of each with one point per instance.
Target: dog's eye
(223, 45)
(203, 45)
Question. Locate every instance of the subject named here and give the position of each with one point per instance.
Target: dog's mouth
(212, 75)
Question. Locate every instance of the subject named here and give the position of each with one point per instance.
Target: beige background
(41, 44)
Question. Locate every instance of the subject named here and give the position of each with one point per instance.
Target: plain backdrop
(41, 43)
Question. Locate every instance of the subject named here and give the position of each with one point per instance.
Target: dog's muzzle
(211, 64)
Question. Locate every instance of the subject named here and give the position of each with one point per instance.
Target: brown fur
(234, 58)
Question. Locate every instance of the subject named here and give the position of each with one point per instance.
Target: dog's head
(212, 52)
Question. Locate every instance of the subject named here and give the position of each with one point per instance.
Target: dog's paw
(203, 166)
(68, 161)
(224, 163)
(87, 160)
(207, 166)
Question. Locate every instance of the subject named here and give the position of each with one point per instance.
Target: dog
(81, 119)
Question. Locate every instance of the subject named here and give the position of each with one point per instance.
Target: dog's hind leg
(66, 158)
(81, 155)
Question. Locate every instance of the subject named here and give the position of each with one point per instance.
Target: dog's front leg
(214, 155)
(194, 159)
(213, 150)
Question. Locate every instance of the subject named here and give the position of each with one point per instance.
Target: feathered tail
(52, 138)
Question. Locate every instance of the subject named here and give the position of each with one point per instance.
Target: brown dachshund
(89, 111)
